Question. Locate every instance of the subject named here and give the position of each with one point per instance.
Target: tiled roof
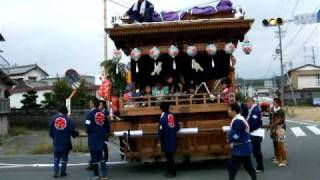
(18, 70)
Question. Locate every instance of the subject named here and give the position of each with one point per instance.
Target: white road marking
(8, 166)
(314, 129)
(298, 131)
(302, 123)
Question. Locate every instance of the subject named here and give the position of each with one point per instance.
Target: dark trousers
(235, 164)
(63, 157)
(171, 165)
(256, 147)
(105, 152)
(97, 158)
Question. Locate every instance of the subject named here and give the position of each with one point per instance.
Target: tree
(81, 98)
(30, 100)
(49, 100)
(118, 79)
(61, 92)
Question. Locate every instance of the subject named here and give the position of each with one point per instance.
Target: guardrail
(4, 105)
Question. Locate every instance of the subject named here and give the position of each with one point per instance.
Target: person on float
(239, 138)
(141, 11)
(277, 128)
(97, 128)
(254, 119)
(61, 129)
(168, 128)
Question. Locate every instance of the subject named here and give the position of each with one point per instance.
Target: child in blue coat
(61, 131)
(97, 129)
(168, 128)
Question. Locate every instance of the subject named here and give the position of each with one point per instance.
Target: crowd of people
(245, 136)
(247, 133)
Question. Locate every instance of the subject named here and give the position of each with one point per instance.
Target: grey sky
(62, 34)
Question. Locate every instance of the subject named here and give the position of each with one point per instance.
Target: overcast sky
(63, 34)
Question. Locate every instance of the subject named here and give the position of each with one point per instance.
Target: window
(318, 80)
(32, 78)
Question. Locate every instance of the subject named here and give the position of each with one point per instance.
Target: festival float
(197, 46)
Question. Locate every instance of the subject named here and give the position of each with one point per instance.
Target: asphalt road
(302, 142)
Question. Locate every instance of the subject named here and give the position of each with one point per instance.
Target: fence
(4, 106)
(39, 118)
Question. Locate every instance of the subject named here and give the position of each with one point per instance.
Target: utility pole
(104, 29)
(278, 22)
(281, 64)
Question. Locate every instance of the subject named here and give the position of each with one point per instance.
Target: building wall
(296, 74)
(15, 99)
(34, 73)
(4, 125)
(2, 89)
(310, 81)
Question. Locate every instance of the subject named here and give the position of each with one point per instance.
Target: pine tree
(30, 100)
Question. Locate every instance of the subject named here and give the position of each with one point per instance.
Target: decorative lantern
(116, 56)
(173, 53)
(229, 48)
(136, 55)
(192, 52)
(247, 47)
(105, 89)
(211, 50)
(154, 53)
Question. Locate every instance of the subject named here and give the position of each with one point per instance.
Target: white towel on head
(142, 8)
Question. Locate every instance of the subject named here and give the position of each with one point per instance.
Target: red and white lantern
(229, 48)
(211, 50)
(192, 52)
(136, 55)
(173, 53)
(116, 56)
(154, 53)
(247, 47)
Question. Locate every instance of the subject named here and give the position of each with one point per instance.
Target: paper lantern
(211, 51)
(173, 53)
(154, 53)
(105, 89)
(136, 55)
(229, 48)
(247, 47)
(116, 55)
(192, 52)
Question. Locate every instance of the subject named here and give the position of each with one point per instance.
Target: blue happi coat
(106, 113)
(97, 129)
(239, 137)
(255, 121)
(134, 12)
(168, 128)
(61, 129)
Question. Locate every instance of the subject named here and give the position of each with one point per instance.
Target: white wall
(308, 82)
(2, 89)
(17, 97)
(34, 73)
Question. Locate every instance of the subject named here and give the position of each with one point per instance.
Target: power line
(294, 37)
(119, 4)
(307, 39)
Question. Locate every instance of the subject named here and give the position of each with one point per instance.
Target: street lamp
(278, 22)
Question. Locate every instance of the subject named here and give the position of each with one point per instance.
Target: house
(42, 87)
(5, 85)
(30, 72)
(305, 83)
